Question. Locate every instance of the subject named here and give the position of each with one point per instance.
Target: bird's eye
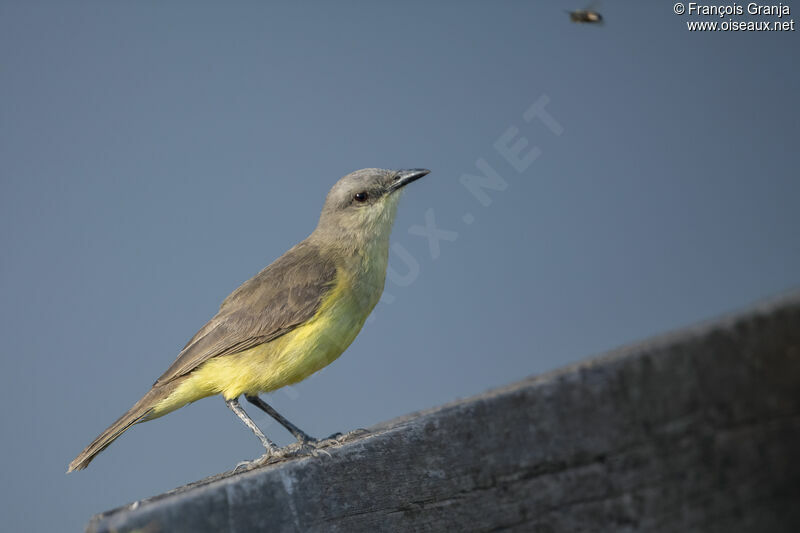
(360, 197)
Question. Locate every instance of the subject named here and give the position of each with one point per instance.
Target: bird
(293, 318)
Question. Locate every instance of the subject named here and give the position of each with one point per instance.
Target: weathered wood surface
(698, 430)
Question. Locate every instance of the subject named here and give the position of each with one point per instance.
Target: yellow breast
(293, 356)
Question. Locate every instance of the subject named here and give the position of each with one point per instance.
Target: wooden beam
(698, 430)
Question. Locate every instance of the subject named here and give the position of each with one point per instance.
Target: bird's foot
(336, 438)
(304, 447)
(244, 466)
(315, 447)
(347, 437)
(271, 456)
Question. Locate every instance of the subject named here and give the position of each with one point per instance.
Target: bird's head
(362, 205)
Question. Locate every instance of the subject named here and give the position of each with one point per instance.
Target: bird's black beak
(404, 177)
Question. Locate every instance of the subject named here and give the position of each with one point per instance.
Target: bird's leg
(270, 446)
(301, 436)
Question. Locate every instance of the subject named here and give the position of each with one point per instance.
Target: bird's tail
(140, 412)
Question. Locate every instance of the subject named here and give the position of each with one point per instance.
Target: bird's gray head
(362, 205)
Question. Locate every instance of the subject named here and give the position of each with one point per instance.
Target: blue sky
(154, 156)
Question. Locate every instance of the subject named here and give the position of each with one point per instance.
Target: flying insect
(585, 16)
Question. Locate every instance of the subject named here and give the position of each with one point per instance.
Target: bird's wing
(281, 297)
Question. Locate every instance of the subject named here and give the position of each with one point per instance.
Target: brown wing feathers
(278, 299)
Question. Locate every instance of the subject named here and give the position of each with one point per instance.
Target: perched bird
(291, 319)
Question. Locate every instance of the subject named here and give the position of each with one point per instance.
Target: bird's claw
(316, 446)
(302, 448)
(313, 447)
(244, 466)
(350, 435)
(270, 456)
